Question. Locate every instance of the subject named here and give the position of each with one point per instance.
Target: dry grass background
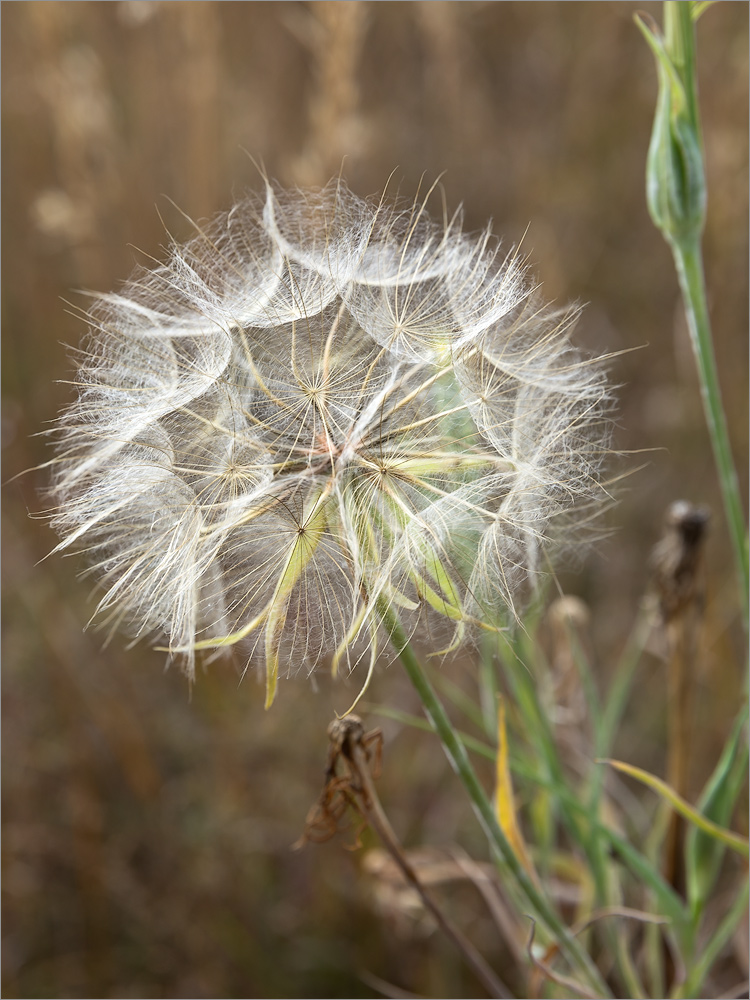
(147, 828)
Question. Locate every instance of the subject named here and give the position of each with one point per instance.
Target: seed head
(317, 405)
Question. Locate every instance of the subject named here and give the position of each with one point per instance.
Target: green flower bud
(675, 180)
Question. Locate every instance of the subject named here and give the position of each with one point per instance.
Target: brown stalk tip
(676, 558)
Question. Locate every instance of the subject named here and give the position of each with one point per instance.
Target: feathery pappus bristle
(317, 405)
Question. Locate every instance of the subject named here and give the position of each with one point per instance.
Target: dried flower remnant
(318, 405)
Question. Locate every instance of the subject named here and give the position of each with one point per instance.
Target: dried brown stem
(676, 562)
(351, 746)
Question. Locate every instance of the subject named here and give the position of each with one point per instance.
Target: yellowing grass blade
(504, 804)
(733, 840)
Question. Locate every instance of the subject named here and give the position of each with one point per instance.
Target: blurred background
(147, 826)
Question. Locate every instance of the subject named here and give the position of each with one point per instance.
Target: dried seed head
(318, 404)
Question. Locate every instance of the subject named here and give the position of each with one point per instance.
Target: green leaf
(703, 852)
(717, 943)
(699, 7)
(665, 896)
(727, 837)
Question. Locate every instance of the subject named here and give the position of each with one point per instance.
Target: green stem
(676, 195)
(459, 759)
(692, 985)
(679, 38)
(689, 264)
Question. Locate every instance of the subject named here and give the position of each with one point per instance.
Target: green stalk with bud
(676, 194)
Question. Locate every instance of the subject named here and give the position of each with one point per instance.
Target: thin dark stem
(362, 788)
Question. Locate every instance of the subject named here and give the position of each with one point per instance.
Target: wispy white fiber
(317, 405)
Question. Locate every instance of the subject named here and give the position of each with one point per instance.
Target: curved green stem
(459, 759)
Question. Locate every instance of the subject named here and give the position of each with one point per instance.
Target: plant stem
(676, 196)
(459, 759)
(689, 264)
(363, 790)
(692, 985)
